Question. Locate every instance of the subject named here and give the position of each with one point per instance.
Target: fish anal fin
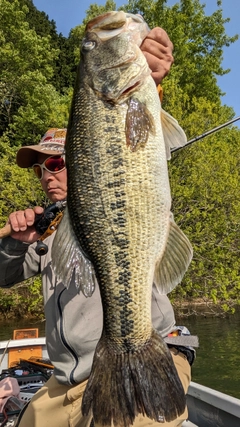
(169, 271)
(68, 259)
(139, 123)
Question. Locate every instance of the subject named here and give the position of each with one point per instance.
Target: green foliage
(42, 108)
(28, 63)
(24, 301)
(64, 68)
(205, 182)
(19, 188)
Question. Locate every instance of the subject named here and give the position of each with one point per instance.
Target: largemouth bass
(118, 229)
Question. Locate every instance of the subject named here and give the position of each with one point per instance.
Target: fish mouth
(118, 77)
(131, 88)
(135, 81)
(120, 95)
(122, 92)
(110, 24)
(113, 20)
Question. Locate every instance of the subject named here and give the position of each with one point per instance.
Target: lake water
(218, 357)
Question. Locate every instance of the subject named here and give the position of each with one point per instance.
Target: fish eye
(88, 45)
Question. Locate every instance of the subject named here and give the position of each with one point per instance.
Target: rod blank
(206, 134)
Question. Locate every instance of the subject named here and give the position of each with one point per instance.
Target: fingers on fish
(123, 385)
(170, 269)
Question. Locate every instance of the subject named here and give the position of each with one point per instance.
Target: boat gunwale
(215, 398)
(24, 342)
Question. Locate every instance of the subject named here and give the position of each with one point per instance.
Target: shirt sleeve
(18, 261)
(162, 313)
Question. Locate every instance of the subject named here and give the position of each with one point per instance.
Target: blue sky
(69, 13)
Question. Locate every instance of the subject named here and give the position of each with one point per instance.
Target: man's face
(53, 184)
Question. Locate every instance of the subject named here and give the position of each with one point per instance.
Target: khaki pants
(58, 405)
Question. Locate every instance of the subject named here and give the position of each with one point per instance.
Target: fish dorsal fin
(170, 270)
(68, 259)
(174, 136)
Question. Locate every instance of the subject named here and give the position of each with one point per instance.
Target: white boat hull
(20, 347)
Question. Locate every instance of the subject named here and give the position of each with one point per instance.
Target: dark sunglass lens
(55, 164)
(38, 171)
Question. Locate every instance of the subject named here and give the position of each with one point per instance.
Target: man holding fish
(134, 377)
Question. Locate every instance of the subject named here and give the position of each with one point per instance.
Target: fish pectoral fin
(174, 263)
(68, 259)
(174, 136)
(139, 123)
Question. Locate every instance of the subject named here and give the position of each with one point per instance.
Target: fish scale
(117, 228)
(109, 209)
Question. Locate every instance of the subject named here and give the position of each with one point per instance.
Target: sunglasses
(52, 164)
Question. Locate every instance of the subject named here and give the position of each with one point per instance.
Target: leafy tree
(64, 68)
(19, 187)
(23, 301)
(29, 104)
(39, 21)
(27, 96)
(205, 181)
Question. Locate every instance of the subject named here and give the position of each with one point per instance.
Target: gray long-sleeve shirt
(73, 322)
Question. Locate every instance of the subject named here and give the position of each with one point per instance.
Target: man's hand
(22, 224)
(158, 48)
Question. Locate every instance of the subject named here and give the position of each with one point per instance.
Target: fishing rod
(206, 134)
(45, 224)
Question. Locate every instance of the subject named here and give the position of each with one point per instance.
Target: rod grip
(5, 231)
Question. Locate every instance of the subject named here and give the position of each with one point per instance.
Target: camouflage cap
(52, 144)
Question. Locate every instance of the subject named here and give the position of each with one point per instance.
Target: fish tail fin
(143, 381)
(174, 263)
(68, 259)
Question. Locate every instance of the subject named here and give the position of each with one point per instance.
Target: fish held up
(118, 231)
